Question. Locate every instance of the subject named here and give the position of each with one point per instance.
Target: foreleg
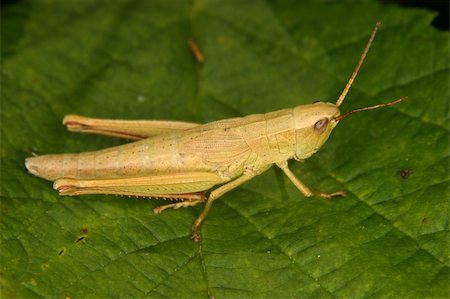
(302, 187)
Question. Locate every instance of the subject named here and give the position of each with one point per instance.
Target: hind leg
(185, 186)
(129, 129)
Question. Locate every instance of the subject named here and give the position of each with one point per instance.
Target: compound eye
(320, 125)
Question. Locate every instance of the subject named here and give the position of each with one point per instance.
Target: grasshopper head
(313, 124)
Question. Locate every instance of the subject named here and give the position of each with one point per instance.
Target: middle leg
(213, 196)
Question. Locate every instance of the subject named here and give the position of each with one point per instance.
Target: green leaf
(129, 59)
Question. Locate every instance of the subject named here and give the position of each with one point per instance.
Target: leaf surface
(129, 59)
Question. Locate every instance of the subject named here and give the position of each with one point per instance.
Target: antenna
(358, 66)
(340, 117)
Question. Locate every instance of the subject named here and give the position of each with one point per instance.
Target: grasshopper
(182, 160)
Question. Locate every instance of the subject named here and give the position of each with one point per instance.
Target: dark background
(442, 7)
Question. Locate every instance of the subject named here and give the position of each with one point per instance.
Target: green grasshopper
(181, 160)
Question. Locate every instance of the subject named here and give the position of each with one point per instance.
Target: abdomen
(155, 155)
